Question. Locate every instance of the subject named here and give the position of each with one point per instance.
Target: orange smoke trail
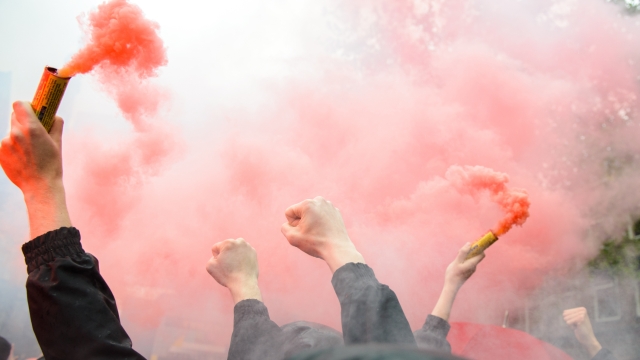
(120, 37)
(473, 180)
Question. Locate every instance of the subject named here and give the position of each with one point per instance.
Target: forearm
(73, 311)
(254, 335)
(370, 311)
(337, 258)
(245, 291)
(445, 302)
(47, 208)
(593, 347)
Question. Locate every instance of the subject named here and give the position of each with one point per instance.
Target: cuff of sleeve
(603, 354)
(351, 274)
(437, 326)
(251, 308)
(45, 248)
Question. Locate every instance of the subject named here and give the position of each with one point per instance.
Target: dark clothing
(373, 352)
(604, 354)
(254, 335)
(433, 334)
(302, 335)
(5, 348)
(370, 311)
(73, 312)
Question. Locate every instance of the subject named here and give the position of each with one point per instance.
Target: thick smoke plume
(408, 90)
(123, 51)
(473, 180)
(119, 38)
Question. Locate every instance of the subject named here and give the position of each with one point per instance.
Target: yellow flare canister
(484, 242)
(48, 96)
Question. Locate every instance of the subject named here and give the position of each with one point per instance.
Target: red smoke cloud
(119, 38)
(123, 51)
(473, 180)
(375, 128)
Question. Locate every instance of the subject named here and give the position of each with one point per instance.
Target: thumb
(289, 232)
(56, 131)
(212, 265)
(462, 254)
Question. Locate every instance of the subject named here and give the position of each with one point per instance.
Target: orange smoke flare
(473, 180)
(120, 37)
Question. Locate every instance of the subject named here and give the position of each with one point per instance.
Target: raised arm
(433, 334)
(578, 319)
(32, 160)
(73, 312)
(234, 265)
(370, 311)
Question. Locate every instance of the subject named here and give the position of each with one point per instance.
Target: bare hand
(457, 273)
(234, 264)
(460, 270)
(30, 156)
(32, 160)
(316, 227)
(578, 319)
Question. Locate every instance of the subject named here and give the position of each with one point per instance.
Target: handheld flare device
(48, 96)
(481, 244)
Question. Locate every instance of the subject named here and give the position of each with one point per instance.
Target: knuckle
(16, 134)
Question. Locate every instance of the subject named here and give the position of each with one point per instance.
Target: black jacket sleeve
(370, 311)
(254, 335)
(73, 312)
(604, 354)
(433, 334)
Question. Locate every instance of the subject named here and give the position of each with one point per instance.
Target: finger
(463, 252)
(211, 265)
(56, 131)
(573, 321)
(294, 212)
(217, 248)
(574, 311)
(576, 319)
(474, 261)
(15, 130)
(24, 113)
(288, 231)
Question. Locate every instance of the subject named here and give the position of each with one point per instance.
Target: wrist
(338, 257)
(39, 191)
(244, 290)
(452, 286)
(46, 207)
(593, 347)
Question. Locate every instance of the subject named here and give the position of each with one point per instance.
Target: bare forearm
(248, 290)
(336, 258)
(47, 208)
(445, 302)
(593, 347)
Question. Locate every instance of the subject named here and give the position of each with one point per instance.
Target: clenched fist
(234, 264)
(316, 227)
(578, 319)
